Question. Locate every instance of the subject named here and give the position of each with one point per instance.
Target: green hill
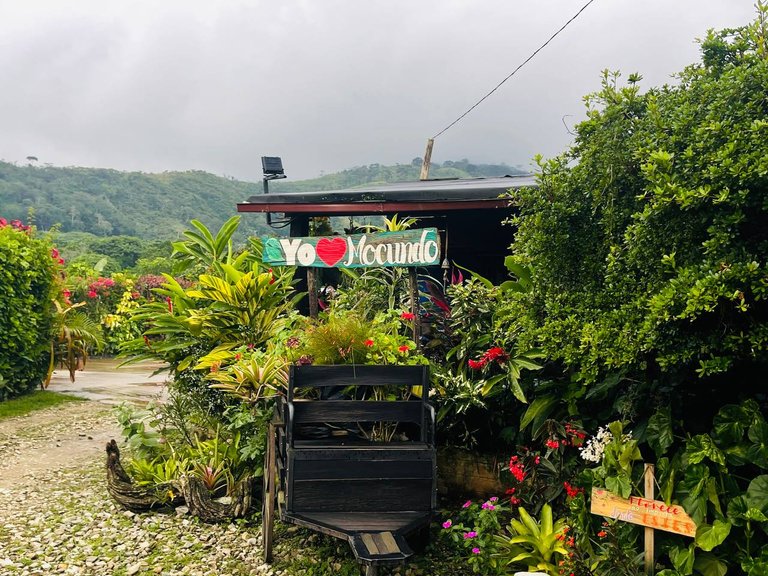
(159, 206)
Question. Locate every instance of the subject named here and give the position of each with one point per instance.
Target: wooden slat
(338, 469)
(356, 411)
(348, 375)
(367, 452)
(356, 495)
(367, 521)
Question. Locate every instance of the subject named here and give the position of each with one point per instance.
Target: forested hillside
(109, 202)
(160, 206)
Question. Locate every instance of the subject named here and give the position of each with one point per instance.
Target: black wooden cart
(323, 471)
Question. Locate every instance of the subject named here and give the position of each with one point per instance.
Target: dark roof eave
(347, 208)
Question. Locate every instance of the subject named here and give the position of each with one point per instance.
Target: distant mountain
(160, 206)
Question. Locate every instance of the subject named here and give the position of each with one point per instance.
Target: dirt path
(74, 434)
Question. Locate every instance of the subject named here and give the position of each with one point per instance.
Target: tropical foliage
(29, 270)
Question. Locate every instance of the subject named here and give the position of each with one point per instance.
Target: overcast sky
(327, 84)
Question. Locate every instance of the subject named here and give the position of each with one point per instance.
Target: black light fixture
(272, 168)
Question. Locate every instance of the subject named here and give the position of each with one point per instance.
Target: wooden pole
(414, 289)
(649, 489)
(427, 159)
(312, 290)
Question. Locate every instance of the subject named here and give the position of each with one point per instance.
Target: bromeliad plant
(534, 545)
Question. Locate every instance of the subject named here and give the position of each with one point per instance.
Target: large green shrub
(27, 286)
(648, 239)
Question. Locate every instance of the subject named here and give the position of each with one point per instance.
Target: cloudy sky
(213, 85)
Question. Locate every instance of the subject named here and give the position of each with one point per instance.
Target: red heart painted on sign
(331, 250)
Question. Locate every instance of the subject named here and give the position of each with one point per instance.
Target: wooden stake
(414, 289)
(427, 159)
(649, 552)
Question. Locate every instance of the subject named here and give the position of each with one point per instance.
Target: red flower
(495, 353)
(514, 501)
(476, 364)
(602, 534)
(54, 253)
(3, 222)
(368, 343)
(571, 491)
(403, 349)
(92, 294)
(517, 470)
(238, 356)
(169, 303)
(407, 316)
(552, 444)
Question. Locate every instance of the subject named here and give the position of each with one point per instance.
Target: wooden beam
(349, 208)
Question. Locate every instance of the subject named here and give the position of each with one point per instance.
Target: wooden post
(427, 159)
(414, 289)
(649, 489)
(312, 291)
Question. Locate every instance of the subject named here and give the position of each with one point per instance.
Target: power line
(476, 104)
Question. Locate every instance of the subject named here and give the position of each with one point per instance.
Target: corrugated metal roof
(423, 191)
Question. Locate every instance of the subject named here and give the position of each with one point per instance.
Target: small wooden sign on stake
(653, 514)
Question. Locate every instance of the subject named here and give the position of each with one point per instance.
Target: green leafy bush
(28, 287)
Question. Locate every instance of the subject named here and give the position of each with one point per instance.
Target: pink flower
(488, 506)
(3, 222)
(407, 316)
(368, 343)
(475, 550)
(467, 504)
(447, 524)
(469, 535)
(493, 499)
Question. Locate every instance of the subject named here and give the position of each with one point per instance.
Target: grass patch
(35, 401)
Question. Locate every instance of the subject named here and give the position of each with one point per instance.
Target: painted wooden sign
(649, 513)
(406, 248)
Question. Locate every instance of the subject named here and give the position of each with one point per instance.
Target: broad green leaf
(757, 493)
(540, 407)
(619, 485)
(683, 559)
(708, 536)
(700, 447)
(606, 385)
(709, 565)
(659, 431)
(730, 423)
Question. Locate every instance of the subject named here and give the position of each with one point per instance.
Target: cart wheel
(268, 500)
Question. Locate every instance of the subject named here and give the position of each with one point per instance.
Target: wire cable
(539, 49)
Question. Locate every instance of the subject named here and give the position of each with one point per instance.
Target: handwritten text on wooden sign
(636, 510)
(406, 248)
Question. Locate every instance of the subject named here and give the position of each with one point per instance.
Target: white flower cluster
(594, 448)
